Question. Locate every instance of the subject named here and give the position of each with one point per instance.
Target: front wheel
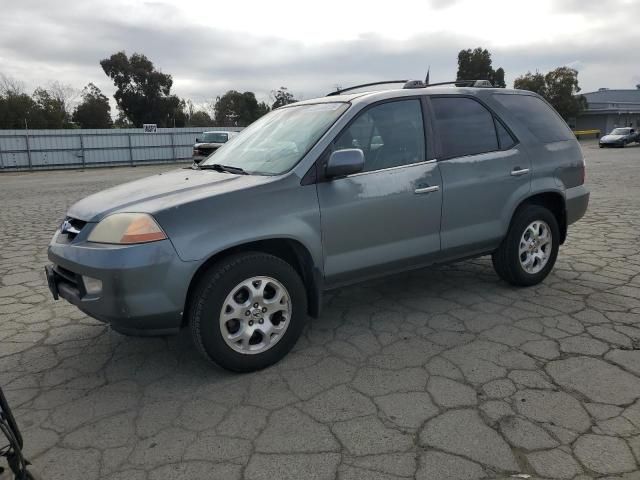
(529, 251)
(248, 311)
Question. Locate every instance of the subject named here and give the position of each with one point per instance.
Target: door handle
(434, 188)
(516, 172)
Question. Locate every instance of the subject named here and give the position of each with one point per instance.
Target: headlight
(127, 228)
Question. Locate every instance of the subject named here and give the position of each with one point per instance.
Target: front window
(277, 142)
(215, 137)
(620, 131)
(390, 135)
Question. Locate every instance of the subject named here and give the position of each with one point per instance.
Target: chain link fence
(56, 149)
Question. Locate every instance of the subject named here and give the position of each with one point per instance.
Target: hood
(161, 191)
(612, 138)
(207, 144)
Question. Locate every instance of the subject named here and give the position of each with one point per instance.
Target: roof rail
(339, 91)
(463, 83)
(417, 84)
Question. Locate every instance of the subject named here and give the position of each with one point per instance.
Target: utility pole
(26, 128)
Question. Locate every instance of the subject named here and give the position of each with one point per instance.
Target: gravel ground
(444, 373)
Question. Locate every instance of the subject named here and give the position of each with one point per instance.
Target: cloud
(66, 41)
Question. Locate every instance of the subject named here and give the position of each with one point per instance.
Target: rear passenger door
(484, 171)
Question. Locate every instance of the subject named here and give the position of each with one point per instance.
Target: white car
(209, 142)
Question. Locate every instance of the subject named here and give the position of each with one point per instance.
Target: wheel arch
(291, 251)
(552, 200)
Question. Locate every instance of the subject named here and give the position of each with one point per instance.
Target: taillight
(583, 173)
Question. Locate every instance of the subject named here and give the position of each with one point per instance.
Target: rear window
(465, 127)
(215, 137)
(541, 120)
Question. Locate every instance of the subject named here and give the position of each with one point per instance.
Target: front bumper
(144, 287)
(576, 202)
(199, 154)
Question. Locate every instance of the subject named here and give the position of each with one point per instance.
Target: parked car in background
(619, 137)
(209, 142)
(316, 195)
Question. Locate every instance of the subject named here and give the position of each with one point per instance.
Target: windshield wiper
(223, 168)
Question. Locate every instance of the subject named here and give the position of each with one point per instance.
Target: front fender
(281, 210)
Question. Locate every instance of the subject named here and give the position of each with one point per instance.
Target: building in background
(608, 109)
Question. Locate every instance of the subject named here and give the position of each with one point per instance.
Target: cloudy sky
(210, 47)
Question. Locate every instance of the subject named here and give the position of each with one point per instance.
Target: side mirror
(345, 162)
(198, 140)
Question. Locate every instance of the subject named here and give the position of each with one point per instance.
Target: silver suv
(320, 194)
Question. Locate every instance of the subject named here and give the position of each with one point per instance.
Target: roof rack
(417, 84)
(340, 91)
(457, 83)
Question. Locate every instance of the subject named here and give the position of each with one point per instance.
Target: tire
(229, 283)
(507, 260)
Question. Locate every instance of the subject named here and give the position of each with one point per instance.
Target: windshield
(276, 142)
(620, 131)
(214, 137)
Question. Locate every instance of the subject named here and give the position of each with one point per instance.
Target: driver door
(386, 217)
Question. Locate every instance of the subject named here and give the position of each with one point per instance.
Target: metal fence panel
(15, 161)
(13, 143)
(105, 141)
(106, 157)
(48, 158)
(52, 149)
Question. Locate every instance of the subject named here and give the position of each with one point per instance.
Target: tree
(51, 109)
(476, 65)
(559, 87)
(143, 94)
(15, 105)
(196, 117)
(281, 97)
(122, 121)
(94, 110)
(498, 78)
(534, 82)
(235, 109)
(16, 108)
(66, 95)
(200, 118)
(562, 92)
(10, 86)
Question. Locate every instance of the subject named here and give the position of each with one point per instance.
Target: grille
(67, 275)
(207, 150)
(72, 279)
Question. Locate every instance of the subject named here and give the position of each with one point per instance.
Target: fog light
(92, 286)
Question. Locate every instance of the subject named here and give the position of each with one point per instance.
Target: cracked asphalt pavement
(443, 373)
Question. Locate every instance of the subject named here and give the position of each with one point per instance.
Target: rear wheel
(248, 311)
(529, 251)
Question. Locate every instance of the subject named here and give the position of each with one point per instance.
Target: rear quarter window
(535, 114)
